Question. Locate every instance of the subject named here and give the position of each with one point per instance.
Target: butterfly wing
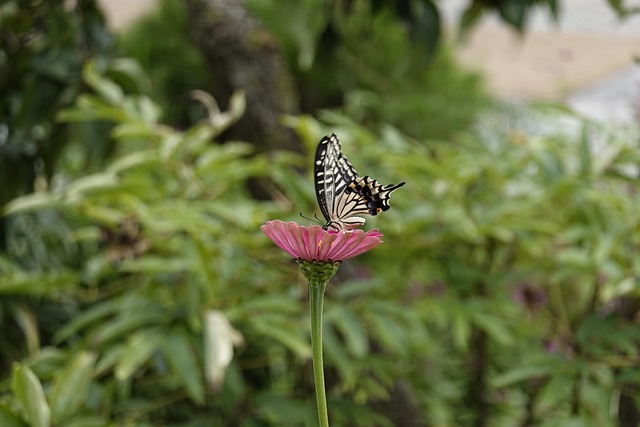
(323, 173)
(341, 194)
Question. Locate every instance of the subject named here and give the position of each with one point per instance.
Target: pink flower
(313, 243)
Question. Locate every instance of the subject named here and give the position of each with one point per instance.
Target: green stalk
(316, 300)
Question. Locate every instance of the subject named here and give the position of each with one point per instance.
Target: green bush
(494, 296)
(143, 293)
(359, 61)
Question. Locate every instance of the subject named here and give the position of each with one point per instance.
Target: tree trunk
(242, 55)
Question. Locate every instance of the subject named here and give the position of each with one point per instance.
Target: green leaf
(335, 352)
(109, 358)
(83, 319)
(134, 160)
(92, 183)
(425, 25)
(127, 322)
(71, 387)
(140, 347)
(493, 326)
(346, 321)
(28, 390)
(542, 367)
(34, 284)
(9, 419)
(131, 69)
(106, 88)
(389, 332)
(584, 151)
(461, 328)
(182, 359)
(31, 202)
(282, 331)
(514, 12)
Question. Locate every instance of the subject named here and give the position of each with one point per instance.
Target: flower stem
(316, 300)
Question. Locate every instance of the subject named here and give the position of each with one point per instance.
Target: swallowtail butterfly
(341, 193)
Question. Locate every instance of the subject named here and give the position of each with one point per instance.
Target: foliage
(43, 50)
(493, 299)
(361, 61)
(155, 41)
(143, 293)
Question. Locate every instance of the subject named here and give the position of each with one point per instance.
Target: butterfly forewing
(324, 178)
(341, 194)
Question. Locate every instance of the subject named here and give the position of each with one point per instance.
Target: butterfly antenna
(311, 219)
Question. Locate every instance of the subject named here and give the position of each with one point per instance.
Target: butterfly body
(342, 194)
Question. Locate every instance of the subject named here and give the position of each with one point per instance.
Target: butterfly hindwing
(343, 195)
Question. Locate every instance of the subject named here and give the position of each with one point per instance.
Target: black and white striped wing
(341, 194)
(333, 173)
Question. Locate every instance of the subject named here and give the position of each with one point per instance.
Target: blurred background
(142, 145)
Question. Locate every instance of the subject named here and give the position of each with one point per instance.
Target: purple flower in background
(533, 297)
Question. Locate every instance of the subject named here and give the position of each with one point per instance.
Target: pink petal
(313, 243)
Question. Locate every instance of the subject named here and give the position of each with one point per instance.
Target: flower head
(313, 243)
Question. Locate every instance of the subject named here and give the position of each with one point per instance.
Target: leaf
(282, 331)
(86, 318)
(31, 202)
(134, 160)
(151, 264)
(346, 321)
(131, 69)
(514, 12)
(109, 358)
(140, 347)
(127, 322)
(470, 16)
(461, 328)
(105, 88)
(71, 387)
(181, 357)
(542, 367)
(584, 151)
(335, 353)
(28, 390)
(389, 332)
(493, 326)
(9, 419)
(425, 25)
(91, 183)
(34, 284)
(618, 7)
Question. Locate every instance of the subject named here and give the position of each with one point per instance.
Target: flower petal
(313, 243)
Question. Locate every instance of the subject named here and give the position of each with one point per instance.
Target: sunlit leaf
(71, 386)
(140, 347)
(30, 394)
(106, 88)
(31, 202)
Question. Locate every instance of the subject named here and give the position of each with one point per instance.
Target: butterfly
(341, 193)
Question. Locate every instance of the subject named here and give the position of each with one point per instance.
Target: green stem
(316, 300)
